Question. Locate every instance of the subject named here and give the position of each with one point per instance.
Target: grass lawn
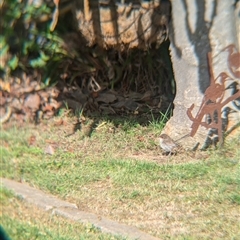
(116, 169)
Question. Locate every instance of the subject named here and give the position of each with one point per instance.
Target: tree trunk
(205, 57)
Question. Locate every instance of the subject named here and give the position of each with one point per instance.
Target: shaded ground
(134, 83)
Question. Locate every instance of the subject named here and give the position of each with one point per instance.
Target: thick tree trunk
(123, 24)
(205, 105)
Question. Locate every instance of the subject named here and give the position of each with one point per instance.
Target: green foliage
(159, 123)
(26, 41)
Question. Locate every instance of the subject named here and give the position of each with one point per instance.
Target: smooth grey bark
(200, 27)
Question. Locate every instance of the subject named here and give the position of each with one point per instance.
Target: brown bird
(168, 144)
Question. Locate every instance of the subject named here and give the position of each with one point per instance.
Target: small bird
(167, 144)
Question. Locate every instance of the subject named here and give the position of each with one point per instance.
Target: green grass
(21, 221)
(177, 197)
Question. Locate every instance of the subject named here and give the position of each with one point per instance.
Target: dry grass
(117, 170)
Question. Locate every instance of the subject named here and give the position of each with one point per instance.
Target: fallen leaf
(49, 150)
(3, 100)
(48, 107)
(78, 96)
(5, 86)
(69, 103)
(106, 97)
(131, 105)
(94, 94)
(147, 96)
(61, 122)
(141, 138)
(119, 104)
(32, 140)
(135, 96)
(32, 101)
(107, 110)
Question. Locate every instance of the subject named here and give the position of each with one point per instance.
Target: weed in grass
(5, 195)
(160, 122)
(235, 198)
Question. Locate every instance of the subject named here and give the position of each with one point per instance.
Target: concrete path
(56, 206)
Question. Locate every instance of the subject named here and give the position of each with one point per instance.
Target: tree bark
(199, 28)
